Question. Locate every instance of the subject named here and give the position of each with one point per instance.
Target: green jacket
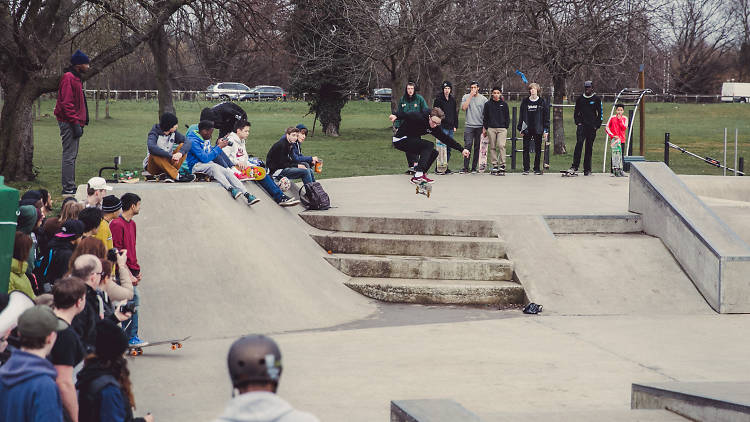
(18, 280)
(416, 104)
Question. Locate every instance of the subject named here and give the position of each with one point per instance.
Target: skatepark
(642, 280)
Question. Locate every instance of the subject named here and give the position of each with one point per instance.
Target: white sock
(418, 174)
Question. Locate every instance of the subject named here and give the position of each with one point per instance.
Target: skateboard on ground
(568, 173)
(616, 158)
(424, 188)
(255, 172)
(126, 176)
(484, 142)
(152, 177)
(174, 344)
(442, 158)
(499, 172)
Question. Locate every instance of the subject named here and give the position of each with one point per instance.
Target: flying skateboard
(174, 345)
(616, 158)
(424, 188)
(484, 141)
(442, 158)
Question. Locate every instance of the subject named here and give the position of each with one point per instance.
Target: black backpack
(313, 197)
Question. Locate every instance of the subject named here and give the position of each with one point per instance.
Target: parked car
(264, 93)
(382, 94)
(227, 91)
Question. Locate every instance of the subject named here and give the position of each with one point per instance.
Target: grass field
(364, 147)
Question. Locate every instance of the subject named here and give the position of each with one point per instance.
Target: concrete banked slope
(212, 267)
(418, 260)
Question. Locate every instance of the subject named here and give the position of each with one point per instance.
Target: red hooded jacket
(71, 104)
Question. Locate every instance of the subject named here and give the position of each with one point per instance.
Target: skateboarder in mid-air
(408, 139)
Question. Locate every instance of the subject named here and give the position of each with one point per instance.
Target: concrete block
(430, 410)
(414, 245)
(572, 224)
(401, 225)
(709, 401)
(422, 267)
(446, 292)
(712, 255)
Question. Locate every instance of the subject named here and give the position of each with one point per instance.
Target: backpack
(313, 197)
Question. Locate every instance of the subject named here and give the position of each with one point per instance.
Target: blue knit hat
(79, 58)
(301, 126)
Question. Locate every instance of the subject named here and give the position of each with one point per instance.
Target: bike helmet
(254, 359)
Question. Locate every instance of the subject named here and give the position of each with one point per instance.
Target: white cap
(98, 183)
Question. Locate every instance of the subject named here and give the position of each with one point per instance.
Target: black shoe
(538, 172)
(68, 192)
(448, 171)
(587, 173)
(187, 178)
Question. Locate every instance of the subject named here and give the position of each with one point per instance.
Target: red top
(123, 237)
(71, 105)
(618, 127)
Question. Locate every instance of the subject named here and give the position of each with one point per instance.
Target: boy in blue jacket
(201, 156)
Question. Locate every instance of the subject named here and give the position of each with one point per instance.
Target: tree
(31, 33)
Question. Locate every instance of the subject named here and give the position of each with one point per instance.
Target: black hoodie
(414, 125)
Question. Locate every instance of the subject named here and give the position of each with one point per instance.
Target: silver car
(227, 91)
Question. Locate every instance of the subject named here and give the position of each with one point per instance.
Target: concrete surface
(702, 401)
(346, 357)
(394, 266)
(572, 224)
(430, 410)
(716, 259)
(454, 292)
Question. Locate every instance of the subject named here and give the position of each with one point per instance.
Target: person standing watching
(447, 102)
(410, 102)
(588, 117)
(473, 104)
(533, 124)
(72, 115)
(495, 122)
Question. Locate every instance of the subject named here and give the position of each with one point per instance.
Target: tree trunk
(159, 45)
(558, 128)
(16, 125)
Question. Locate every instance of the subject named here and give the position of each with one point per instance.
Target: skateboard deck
(616, 158)
(424, 188)
(499, 173)
(152, 177)
(255, 172)
(174, 345)
(484, 142)
(126, 176)
(566, 173)
(442, 158)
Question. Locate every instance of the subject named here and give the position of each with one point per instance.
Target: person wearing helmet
(254, 363)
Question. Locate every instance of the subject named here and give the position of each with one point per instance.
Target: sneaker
(572, 170)
(135, 341)
(502, 167)
(525, 172)
(410, 170)
(243, 177)
(424, 178)
(251, 199)
(474, 171)
(236, 193)
(448, 171)
(187, 178)
(288, 202)
(538, 172)
(463, 171)
(587, 173)
(416, 180)
(495, 169)
(168, 180)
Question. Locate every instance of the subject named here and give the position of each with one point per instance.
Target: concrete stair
(413, 260)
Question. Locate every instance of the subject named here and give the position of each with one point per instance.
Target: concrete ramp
(213, 267)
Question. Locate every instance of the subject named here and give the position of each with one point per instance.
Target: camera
(128, 307)
(112, 255)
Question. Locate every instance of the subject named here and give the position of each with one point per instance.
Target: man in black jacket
(408, 139)
(447, 102)
(280, 163)
(55, 262)
(588, 118)
(495, 122)
(225, 116)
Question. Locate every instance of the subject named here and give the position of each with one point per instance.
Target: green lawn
(364, 147)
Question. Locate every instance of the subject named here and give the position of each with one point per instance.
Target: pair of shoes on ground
(236, 193)
(186, 178)
(421, 179)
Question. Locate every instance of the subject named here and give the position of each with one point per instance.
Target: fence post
(96, 101)
(666, 149)
(741, 166)
(513, 140)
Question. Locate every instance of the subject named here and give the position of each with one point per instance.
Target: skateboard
(568, 173)
(126, 176)
(499, 172)
(484, 141)
(174, 344)
(255, 172)
(616, 158)
(442, 158)
(152, 177)
(424, 188)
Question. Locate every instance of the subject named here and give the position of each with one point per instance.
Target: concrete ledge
(430, 410)
(399, 225)
(709, 401)
(445, 292)
(573, 224)
(712, 255)
(395, 266)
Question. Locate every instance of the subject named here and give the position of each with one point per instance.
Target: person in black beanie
(447, 102)
(162, 157)
(104, 389)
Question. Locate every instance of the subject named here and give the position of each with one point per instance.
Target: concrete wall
(712, 255)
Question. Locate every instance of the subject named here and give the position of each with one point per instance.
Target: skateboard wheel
(174, 347)
(133, 353)
(179, 345)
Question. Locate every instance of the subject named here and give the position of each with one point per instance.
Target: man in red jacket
(72, 115)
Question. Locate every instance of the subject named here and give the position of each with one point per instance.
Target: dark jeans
(527, 140)
(585, 135)
(424, 150)
(271, 188)
(472, 135)
(69, 154)
(297, 173)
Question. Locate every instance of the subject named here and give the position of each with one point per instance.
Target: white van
(735, 92)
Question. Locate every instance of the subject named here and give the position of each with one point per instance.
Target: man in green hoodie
(411, 102)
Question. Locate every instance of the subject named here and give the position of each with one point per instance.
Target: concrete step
(400, 225)
(588, 416)
(446, 292)
(698, 401)
(414, 245)
(616, 223)
(397, 266)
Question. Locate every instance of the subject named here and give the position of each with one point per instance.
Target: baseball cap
(71, 228)
(39, 321)
(98, 183)
(588, 84)
(111, 203)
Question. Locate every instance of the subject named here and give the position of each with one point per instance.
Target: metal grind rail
(739, 163)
